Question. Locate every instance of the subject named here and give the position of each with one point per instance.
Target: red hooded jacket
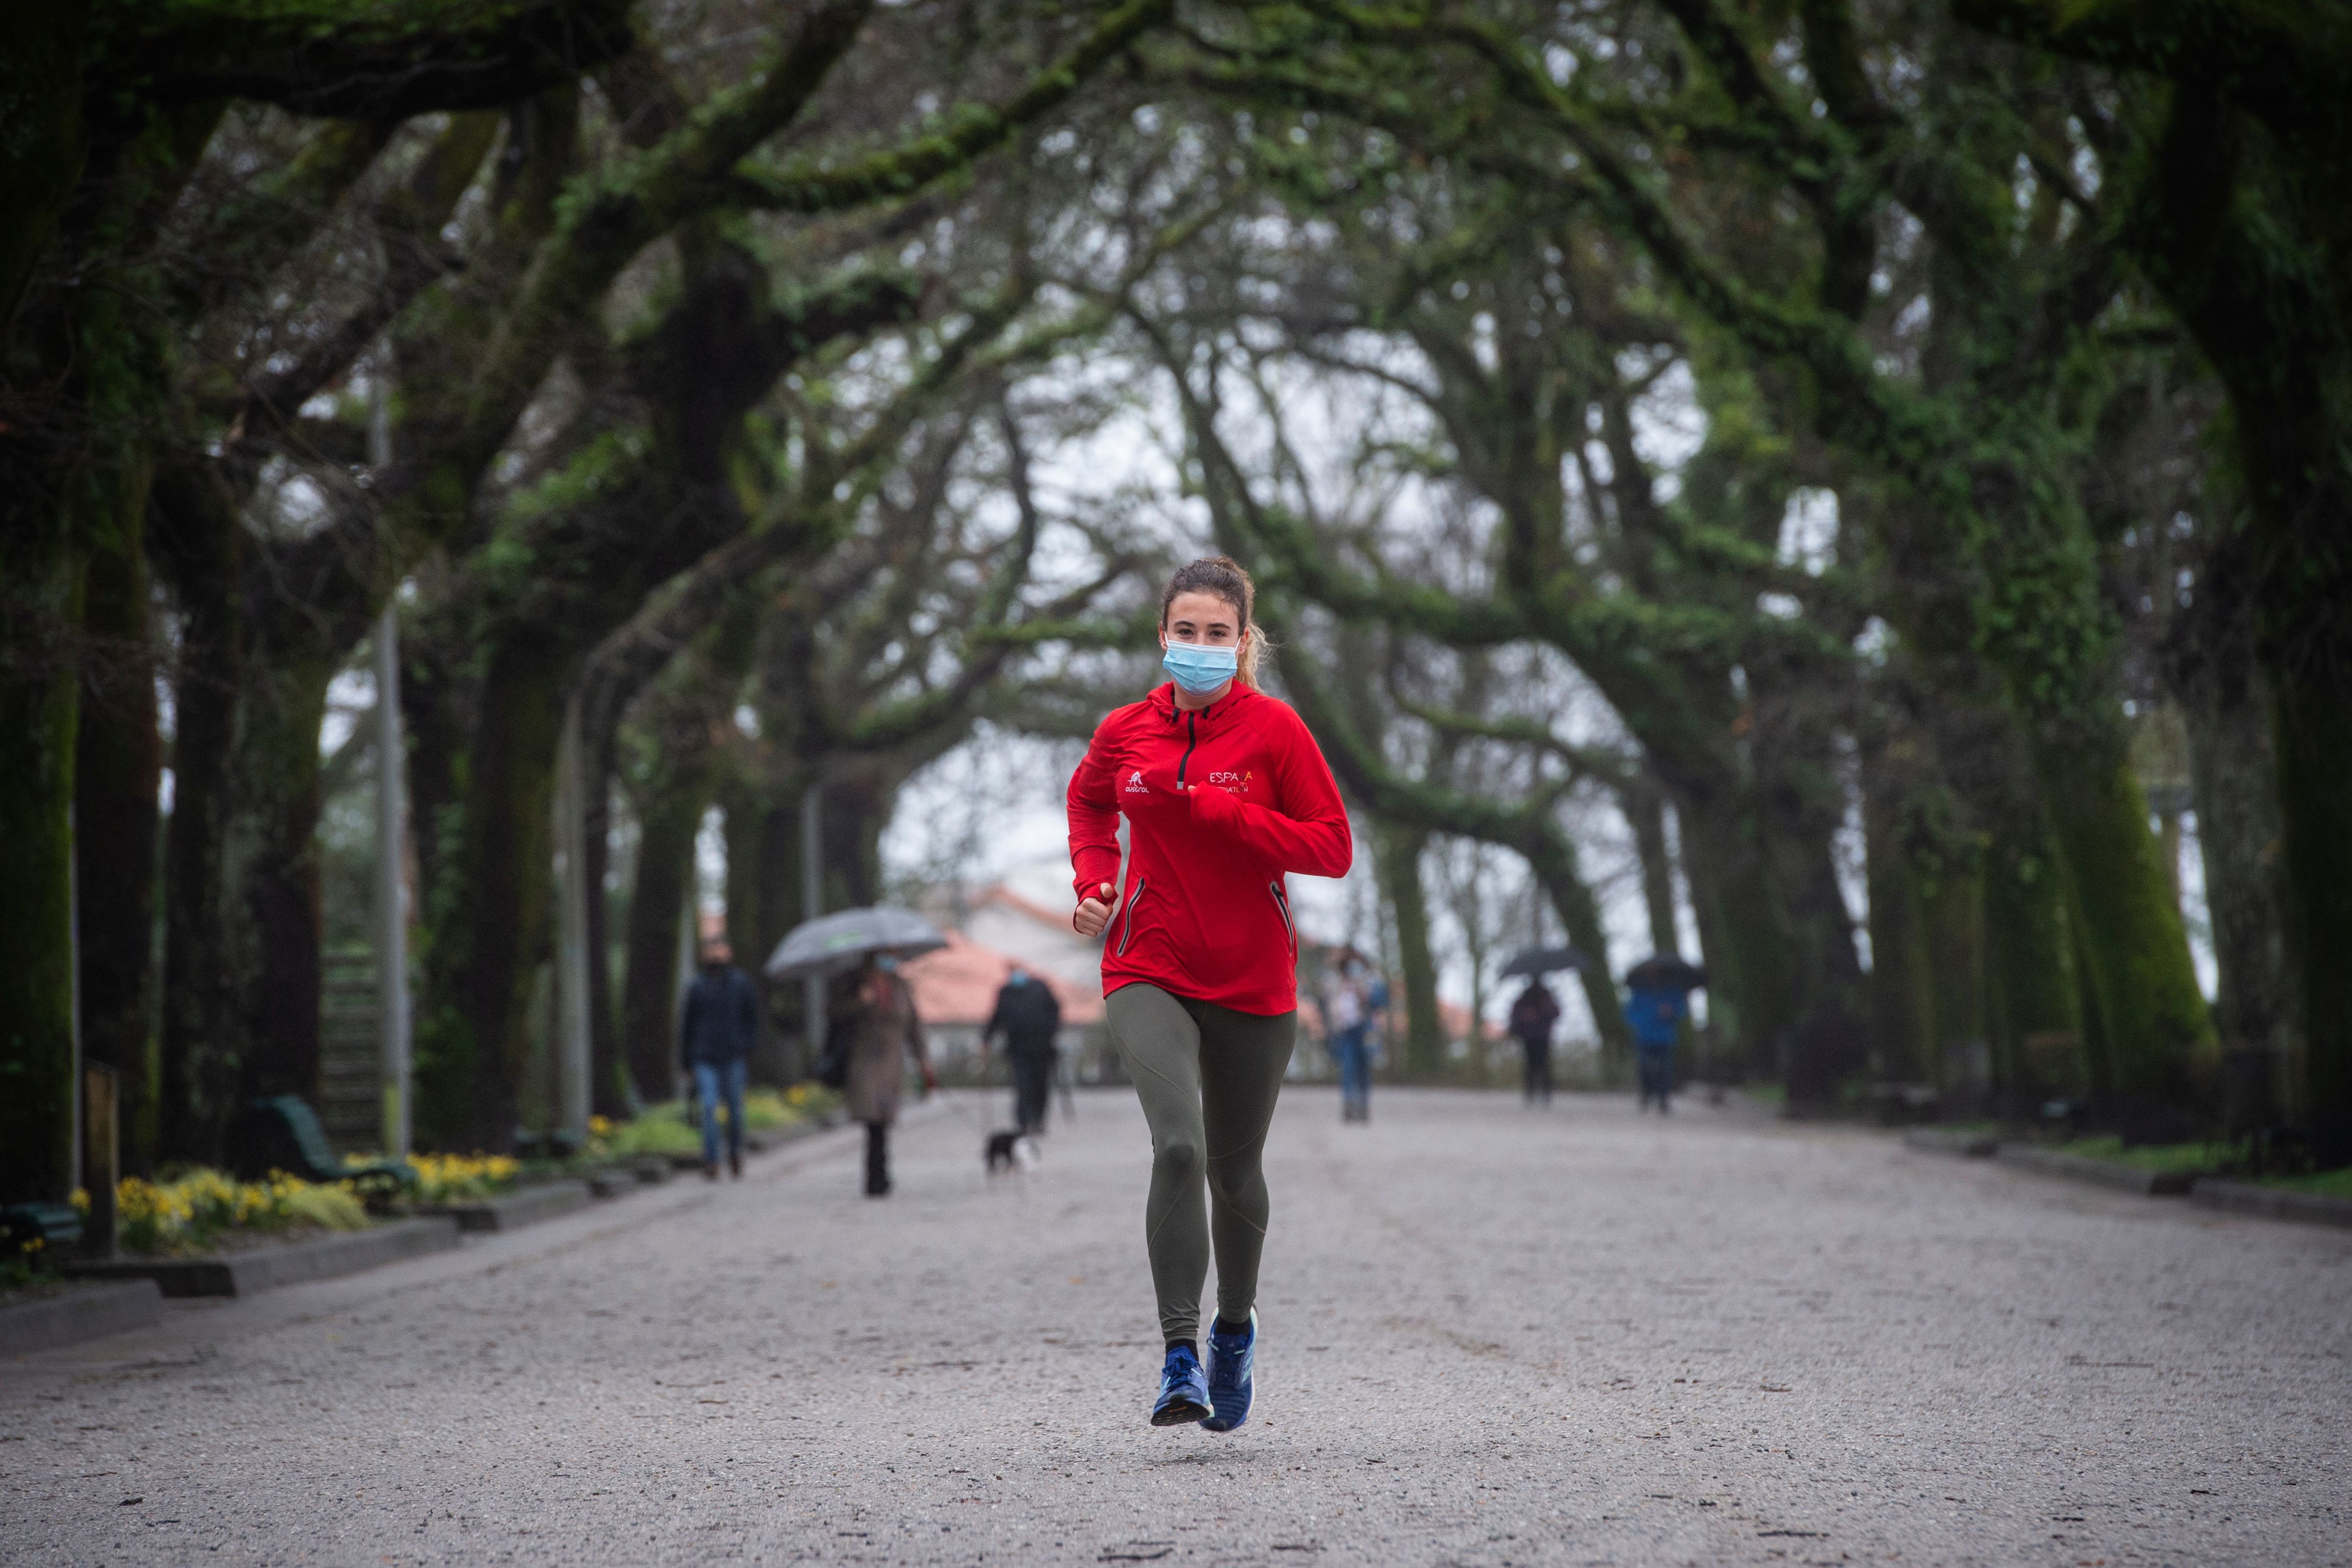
(1221, 803)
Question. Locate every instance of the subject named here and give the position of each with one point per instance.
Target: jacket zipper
(1193, 739)
(1282, 906)
(1129, 935)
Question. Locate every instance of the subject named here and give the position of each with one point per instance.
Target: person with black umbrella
(1537, 1012)
(887, 1035)
(1533, 1015)
(1658, 999)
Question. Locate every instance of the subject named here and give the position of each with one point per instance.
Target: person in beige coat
(888, 1032)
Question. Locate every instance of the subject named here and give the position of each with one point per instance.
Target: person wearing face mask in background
(1030, 1020)
(1225, 794)
(716, 1037)
(1352, 996)
(888, 1034)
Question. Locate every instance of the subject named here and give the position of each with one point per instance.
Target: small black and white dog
(1011, 1149)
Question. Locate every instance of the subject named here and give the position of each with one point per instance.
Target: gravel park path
(1492, 1336)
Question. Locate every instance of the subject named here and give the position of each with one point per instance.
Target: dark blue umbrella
(1666, 972)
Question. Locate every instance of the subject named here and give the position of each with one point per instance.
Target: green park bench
(51, 1229)
(282, 1133)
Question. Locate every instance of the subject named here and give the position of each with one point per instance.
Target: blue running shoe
(1184, 1391)
(1233, 1358)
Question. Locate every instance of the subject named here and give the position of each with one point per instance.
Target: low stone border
(1949, 1141)
(760, 1140)
(756, 1140)
(267, 1268)
(512, 1210)
(622, 1177)
(79, 1312)
(2273, 1202)
(2101, 1173)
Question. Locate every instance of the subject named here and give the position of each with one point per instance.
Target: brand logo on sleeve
(1135, 784)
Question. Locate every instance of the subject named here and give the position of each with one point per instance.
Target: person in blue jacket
(715, 1040)
(1656, 1014)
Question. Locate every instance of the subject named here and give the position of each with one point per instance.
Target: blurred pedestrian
(1348, 1027)
(715, 1039)
(1030, 1020)
(1533, 1017)
(1225, 793)
(1656, 1013)
(888, 1034)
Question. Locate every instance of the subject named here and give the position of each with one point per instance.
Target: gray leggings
(1207, 1077)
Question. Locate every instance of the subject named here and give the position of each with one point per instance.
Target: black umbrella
(1665, 972)
(846, 939)
(1542, 961)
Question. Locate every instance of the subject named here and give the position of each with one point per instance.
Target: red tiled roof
(958, 985)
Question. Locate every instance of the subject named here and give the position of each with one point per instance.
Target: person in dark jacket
(1532, 1018)
(714, 1043)
(1656, 1013)
(1030, 1020)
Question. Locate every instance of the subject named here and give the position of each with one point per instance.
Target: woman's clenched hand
(1093, 913)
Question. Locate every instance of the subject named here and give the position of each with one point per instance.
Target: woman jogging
(1224, 793)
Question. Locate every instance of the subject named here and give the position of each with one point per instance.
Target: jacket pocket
(1127, 931)
(1282, 907)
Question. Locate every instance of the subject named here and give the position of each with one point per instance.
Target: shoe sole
(1181, 1415)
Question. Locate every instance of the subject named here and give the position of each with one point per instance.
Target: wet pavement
(1492, 1336)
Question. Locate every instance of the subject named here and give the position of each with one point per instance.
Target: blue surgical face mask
(1198, 667)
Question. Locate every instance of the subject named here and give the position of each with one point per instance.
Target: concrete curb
(2273, 1202)
(760, 1140)
(2099, 1173)
(625, 1177)
(1946, 1141)
(756, 1140)
(512, 1210)
(267, 1268)
(80, 1314)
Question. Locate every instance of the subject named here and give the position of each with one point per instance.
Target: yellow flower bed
(671, 1127)
(195, 1210)
(444, 1178)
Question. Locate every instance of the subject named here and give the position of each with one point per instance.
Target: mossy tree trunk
(1396, 858)
(2136, 975)
(2033, 996)
(669, 797)
(1951, 898)
(1645, 813)
(1752, 966)
(2237, 216)
(608, 1092)
(493, 907)
(273, 897)
(658, 902)
(118, 768)
(82, 370)
(201, 543)
(1902, 997)
(39, 710)
(2234, 782)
